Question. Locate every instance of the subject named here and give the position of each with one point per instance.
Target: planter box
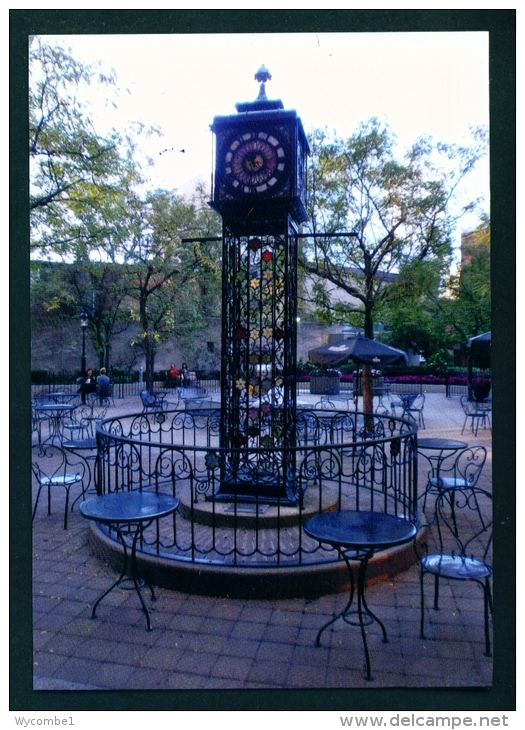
(480, 391)
(325, 384)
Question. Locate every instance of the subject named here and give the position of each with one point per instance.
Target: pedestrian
(185, 374)
(173, 376)
(88, 384)
(103, 383)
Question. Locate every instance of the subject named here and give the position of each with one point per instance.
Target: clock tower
(260, 192)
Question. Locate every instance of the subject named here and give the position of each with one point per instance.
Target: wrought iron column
(259, 345)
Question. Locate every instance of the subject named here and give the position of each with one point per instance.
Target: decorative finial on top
(262, 75)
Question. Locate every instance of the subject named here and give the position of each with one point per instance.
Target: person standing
(185, 375)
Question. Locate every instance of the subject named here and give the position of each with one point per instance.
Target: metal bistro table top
(60, 396)
(128, 507)
(81, 445)
(441, 444)
(367, 531)
(57, 407)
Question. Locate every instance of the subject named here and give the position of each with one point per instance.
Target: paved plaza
(202, 643)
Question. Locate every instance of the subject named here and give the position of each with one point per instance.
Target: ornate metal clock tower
(260, 192)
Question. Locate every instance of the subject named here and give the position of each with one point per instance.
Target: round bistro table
(358, 536)
(129, 513)
(56, 413)
(440, 446)
(441, 449)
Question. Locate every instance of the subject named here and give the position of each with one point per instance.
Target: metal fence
(454, 384)
(341, 462)
(124, 386)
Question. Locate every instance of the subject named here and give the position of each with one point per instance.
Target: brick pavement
(201, 642)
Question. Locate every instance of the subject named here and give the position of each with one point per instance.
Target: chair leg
(436, 593)
(66, 509)
(422, 618)
(477, 425)
(487, 606)
(36, 502)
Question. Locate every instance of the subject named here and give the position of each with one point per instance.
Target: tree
(469, 287)
(166, 275)
(411, 311)
(80, 184)
(397, 212)
(68, 160)
(101, 289)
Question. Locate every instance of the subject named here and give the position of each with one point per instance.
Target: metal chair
(80, 424)
(475, 413)
(150, 402)
(105, 395)
(462, 533)
(308, 429)
(194, 397)
(463, 474)
(53, 466)
(396, 405)
(37, 420)
(98, 413)
(417, 406)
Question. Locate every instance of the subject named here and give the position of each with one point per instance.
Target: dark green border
(501, 25)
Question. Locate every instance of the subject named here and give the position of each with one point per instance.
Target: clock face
(255, 163)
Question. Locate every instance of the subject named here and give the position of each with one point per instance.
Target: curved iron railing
(343, 460)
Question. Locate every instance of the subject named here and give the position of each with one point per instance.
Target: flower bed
(423, 379)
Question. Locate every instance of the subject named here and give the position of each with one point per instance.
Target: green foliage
(439, 361)
(395, 220)
(172, 283)
(124, 258)
(469, 309)
(397, 210)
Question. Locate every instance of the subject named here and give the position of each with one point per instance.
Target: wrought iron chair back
(465, 471)
(53, 467)
(149, 401)
(461, 532)
(475, 413)
(463, 474)
(37, 420)
(417, 407)
(80, 423)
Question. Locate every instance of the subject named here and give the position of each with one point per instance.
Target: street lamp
(83, 326)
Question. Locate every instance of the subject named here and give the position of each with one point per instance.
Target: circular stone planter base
(250, 515)
(252, 582)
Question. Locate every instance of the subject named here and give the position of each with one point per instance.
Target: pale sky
(420, 83)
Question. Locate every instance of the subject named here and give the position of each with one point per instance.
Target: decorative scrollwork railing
(342, 460)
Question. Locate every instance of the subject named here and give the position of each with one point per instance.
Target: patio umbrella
(360, 349)
(481, 343)
(479, 353)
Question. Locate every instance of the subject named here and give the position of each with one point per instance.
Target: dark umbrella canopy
(483, 340)
(479, 350)
(360, 349)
